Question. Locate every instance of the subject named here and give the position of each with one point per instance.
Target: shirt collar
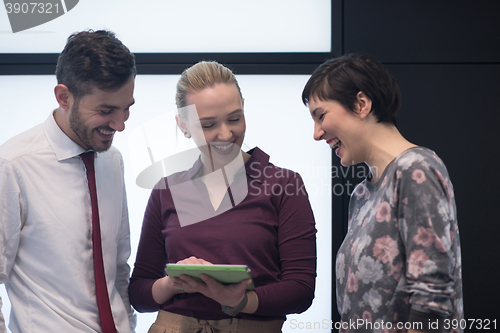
(256, 164)
(63, 146)
(196, 169)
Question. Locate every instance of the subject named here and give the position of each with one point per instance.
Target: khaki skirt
(168, 322)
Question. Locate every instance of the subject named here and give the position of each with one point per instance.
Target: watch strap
(237, 309)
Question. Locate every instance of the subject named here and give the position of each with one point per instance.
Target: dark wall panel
(424, 30)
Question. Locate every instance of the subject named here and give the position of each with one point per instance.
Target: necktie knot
(88, 160)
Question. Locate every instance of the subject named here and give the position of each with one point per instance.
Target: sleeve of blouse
(151, 257)
(428, 226)
(297, 250)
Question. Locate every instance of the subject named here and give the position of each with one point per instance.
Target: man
(51, 259)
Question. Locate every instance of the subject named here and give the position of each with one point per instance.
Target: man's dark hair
(341, 79)
(94, 59)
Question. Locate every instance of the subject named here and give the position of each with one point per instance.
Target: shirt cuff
(430, 322)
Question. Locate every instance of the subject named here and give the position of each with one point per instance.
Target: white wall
(277, 122)
(185, 26)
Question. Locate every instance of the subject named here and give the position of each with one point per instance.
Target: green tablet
(226, 274)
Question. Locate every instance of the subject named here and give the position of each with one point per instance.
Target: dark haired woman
(399, 267)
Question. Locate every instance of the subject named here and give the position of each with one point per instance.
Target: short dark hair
(341, 79)
(94, 59)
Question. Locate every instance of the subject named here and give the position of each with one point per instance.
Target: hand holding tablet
(225, 274)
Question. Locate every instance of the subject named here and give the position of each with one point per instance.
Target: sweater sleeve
(297, 251)
(427, 217)
(151, 258)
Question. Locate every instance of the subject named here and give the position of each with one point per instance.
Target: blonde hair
(200, 76)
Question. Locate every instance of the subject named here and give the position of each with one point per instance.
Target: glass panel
(277, 122)
(177, 26)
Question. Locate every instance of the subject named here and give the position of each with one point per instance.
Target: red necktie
(107, 322)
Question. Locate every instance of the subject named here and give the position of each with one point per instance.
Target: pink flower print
(452, 237)
(439, 244)
(418, 176)
(384, 182)
(399, 174)
(438, 159)
(352, 282)
(396, 270)
(445, 182)
(367, 316)
(433, 304)
(343, 328)
(385, 249)
(360, 191)
(383, 212)
(424, 237)
(451, 193)
(416, 262)
(405, 201)
(440, 178)
(354, 246)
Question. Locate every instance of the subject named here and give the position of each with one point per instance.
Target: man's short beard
(81, 130)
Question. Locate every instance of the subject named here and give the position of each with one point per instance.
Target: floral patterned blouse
(400, 261)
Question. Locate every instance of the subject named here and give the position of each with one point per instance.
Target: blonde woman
(223, 211)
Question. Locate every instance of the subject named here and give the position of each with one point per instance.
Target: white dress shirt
(46, 259)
